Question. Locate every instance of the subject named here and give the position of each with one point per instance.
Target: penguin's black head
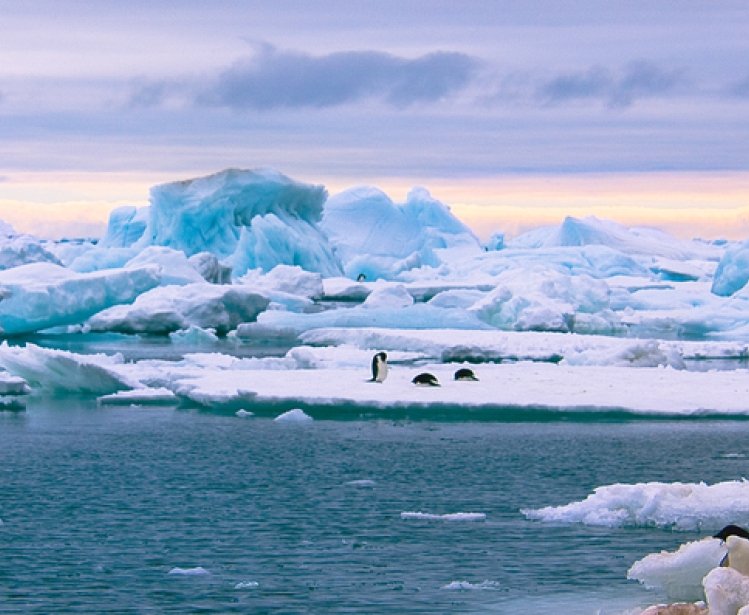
(383, 356)
(732, 530)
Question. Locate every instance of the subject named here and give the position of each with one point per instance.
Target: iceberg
(167, 309)
(377, 238)
(248, 219)
(43, 295)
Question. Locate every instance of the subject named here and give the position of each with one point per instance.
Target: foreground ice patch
(458, 516)
(679, 506)
(679, 573)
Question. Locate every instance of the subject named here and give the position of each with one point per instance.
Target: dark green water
(99, 504)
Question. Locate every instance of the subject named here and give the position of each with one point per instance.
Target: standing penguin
(379, 367)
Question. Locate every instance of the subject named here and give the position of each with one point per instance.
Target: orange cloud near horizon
(706, 205)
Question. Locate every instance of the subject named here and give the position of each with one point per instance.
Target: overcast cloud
(477, 87)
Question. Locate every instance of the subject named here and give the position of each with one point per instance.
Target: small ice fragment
(242, 413)
(246, 585)
(458, 516)
(364, 482)
(197, 571)
(294, 416)
(468, 586)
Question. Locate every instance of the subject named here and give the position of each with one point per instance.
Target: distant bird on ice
(426, 380)
(465, 374)
(379, 367)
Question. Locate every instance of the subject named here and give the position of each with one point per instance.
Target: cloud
(274, 78)
(637, 80)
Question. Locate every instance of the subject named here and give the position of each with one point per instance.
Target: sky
(514, 113)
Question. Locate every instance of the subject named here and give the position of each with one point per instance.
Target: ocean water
(165, 510)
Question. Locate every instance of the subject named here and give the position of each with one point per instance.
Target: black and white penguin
(465, 374)
(379, 367)
(426, 380)
(732, 530)
(725, 534)
(361, 278)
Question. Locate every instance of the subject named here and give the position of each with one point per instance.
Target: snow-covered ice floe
(336, 378)
(678, 506)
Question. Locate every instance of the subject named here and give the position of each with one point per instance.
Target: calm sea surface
(163, 510)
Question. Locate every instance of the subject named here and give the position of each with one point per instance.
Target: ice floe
(167, 309)
(43, 295)
(678, 506)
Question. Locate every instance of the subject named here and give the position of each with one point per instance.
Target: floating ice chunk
(468, 586)
(732, 273)
(679, 506)
(727, 592)
(458, 516)
(362, 482)
(175, 268)
(13, 385)
(140, 396)
(679, 573)
(247, 585)
(294, 416)
(61, 371)
(286, 279)
(171, 308)
(193, 336)
(390, 296)
(344, 289)
(43, 295)
(190, 572)
(250, 219)
(244, 413)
